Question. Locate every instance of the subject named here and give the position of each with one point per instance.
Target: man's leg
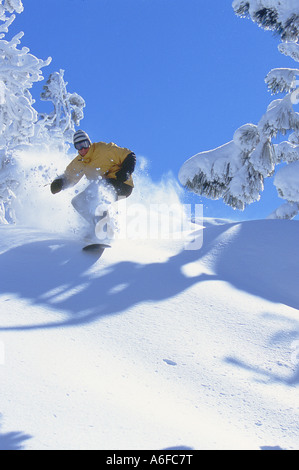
(106, 219)
(86, 202)
(94, 202)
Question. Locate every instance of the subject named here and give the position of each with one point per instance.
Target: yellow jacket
(102, 159)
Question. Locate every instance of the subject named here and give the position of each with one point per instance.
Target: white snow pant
(93, 204)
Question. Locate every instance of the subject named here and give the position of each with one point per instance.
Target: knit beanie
(79, 136)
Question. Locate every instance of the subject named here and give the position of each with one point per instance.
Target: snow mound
(150, 346)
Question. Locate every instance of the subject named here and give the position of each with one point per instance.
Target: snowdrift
(151, 346)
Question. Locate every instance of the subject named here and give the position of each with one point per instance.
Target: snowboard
(96, 247)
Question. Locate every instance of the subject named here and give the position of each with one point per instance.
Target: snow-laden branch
(10, 6)
(290, 49)
(57, 128)
(279, 118)
(287, 152)
(282, 80)
(236, 171)
(282, 17)
(18, 71)
(287, 182)
(225, 172)
(288, 210)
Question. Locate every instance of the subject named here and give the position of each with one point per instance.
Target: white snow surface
(151, 346)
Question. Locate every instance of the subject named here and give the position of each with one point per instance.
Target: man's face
(83, 151)
(83, 147)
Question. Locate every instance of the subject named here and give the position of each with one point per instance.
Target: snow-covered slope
(151, 346)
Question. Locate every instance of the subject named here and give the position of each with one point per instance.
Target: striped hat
(79, 136)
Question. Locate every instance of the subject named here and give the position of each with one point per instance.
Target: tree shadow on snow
(254, 257)
(262, 259)
(56, 277)
(292, 380)
(13, 440)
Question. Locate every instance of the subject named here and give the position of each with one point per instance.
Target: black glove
(122, 175)
(127, 168)
(56, 186)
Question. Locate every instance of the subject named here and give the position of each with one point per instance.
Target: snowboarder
(109, 170)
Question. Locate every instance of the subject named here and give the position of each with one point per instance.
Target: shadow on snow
(13, 440)
(259, 257)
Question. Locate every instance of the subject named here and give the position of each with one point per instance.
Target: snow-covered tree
(57, 128)
(236, 171)
(20, 124)
(18, 71)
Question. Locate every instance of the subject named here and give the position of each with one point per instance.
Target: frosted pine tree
(236, 171)
(18, 71)
(21, 126)
(57, 128)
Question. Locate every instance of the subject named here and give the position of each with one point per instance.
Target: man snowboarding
(108, 169)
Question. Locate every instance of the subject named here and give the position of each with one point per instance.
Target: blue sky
(165, 78)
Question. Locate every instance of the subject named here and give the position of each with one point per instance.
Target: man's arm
(71, 176)
(127, 168)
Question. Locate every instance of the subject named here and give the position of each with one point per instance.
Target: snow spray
(154, 210)
(35, 206)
